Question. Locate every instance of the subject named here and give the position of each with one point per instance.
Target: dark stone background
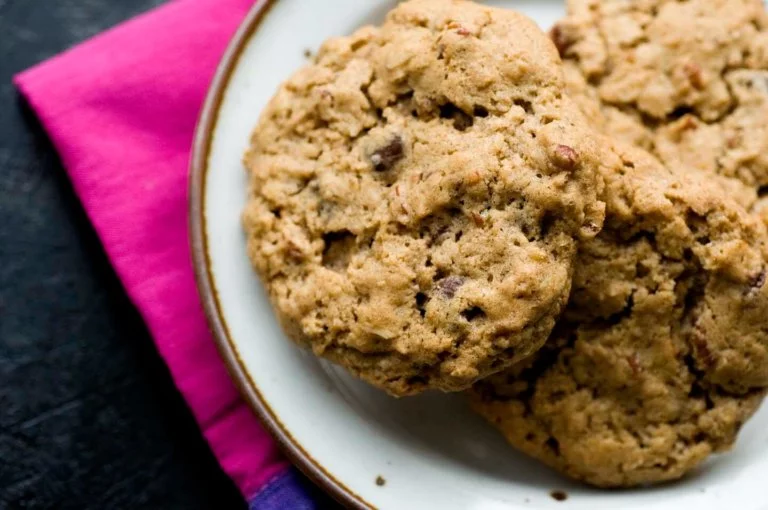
(89, 417)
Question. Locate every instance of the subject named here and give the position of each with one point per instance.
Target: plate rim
(204, 277)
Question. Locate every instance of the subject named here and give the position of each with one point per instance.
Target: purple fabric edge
(286, 491)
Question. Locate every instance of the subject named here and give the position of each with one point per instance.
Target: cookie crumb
(307, 53)
(380, 481)
(559, 495)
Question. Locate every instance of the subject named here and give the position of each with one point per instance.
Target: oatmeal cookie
(662, 353)
(417, 193)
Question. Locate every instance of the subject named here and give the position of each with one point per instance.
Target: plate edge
(201, 145)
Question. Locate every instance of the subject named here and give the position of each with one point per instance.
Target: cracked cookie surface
(685, 80)
(662, 353)
(416, 194)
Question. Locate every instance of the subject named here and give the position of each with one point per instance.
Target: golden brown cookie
(662, 354)
(687, 81)
(416, 196)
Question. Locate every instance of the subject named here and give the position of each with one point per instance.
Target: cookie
(416, 195)
(662, 353)
(736, 146)
(624, 127)
(685, 80)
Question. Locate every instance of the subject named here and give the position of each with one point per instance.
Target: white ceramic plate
(431, 451)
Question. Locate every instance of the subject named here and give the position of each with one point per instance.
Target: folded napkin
(121, 110)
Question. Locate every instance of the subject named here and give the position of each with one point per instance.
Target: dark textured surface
(89, 417)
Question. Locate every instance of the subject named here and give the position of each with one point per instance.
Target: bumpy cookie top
(686, 80)
(663, 351)
(415, 196)
(736, 145)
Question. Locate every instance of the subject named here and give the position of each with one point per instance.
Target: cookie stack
(569, 229)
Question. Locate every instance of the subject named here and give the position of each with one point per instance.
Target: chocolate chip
(386, 157)
(561, 40)
(449, 285)
(565, 157)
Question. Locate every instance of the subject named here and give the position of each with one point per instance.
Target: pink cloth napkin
(121, 110)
